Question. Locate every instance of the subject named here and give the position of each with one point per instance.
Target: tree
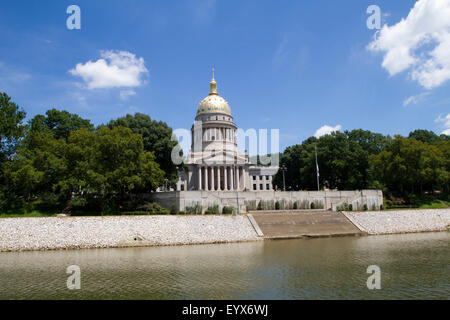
(110, 164)
(125, 164)
(11, 127)
(408, 165)
(424, 136)
(157, 138)
(343, 161)
(59, 123)
(36, 168)
(104, 167)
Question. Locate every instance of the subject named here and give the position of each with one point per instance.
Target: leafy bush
(173, 208)
(213, 209)
(365, 207)
(152, 208)
(277, 205)
(260, 206)
(227, 210)
(250, 205)
(78, 202)
(195, 209)
(343, 207)
(295, 206)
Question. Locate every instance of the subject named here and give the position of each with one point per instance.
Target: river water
(413, 266)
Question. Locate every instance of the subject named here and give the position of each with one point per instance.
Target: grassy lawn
(31, 214)
(436, 205)
(423, 202)
(40, 214)
(433, 205)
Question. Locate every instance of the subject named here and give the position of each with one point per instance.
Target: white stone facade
(214, 162)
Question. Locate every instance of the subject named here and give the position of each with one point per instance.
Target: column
(238, 187)
(243, 178)
(206, 179)
(225, 176)
(233, 177)
(218, 179)
(213, 173)
(199, 177)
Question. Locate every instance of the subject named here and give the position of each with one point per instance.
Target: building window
(254, 187)
(267, 178)
(182, 187)
(261, 187)
(267, 187)
(254, 177)
(261, 178)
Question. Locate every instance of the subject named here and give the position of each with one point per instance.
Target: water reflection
(413, 266)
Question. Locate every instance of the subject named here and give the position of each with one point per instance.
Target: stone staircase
(305, 224)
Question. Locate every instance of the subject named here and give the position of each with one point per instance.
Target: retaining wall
(244, 199)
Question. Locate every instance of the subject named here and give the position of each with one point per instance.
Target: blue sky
(290, 65)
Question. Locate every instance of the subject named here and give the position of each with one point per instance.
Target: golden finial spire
(213, 85)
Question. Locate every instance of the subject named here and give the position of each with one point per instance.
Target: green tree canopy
(59, 123)
(424, 136)
(109, 165)
(157, 138)
(342, 157)
(410, 165)
(11, 127)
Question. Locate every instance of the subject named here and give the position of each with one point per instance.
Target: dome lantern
(213, 85)
(213, 103)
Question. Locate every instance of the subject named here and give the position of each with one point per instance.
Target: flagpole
(317, 169)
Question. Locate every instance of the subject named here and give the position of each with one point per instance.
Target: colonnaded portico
(221, 178)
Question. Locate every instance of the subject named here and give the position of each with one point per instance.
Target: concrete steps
(305, 224)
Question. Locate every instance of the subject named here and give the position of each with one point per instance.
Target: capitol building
(214, 161)
(218, 175)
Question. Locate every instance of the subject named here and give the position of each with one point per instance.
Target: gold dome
(213, 103)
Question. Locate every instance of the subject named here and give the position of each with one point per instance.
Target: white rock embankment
(401, 221)
(19, 234)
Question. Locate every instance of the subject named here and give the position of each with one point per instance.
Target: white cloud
(415, 99)
(324, 130)
(419, 43)
(446, 121)
(114, 70)
(126, 93)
